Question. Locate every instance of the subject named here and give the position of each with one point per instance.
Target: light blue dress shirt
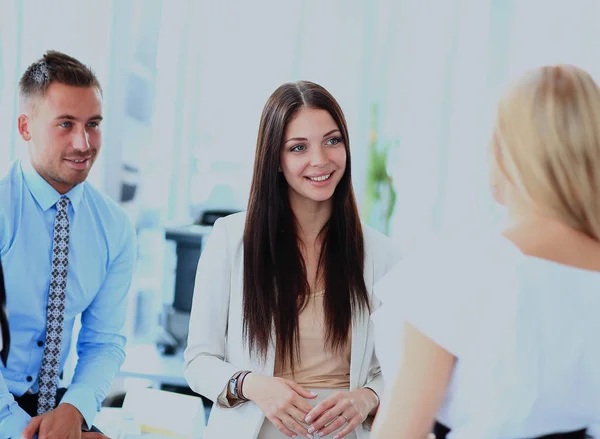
(102, 252)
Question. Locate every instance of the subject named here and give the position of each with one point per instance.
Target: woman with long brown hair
(4, 331)
(496, 336)
(280, 336)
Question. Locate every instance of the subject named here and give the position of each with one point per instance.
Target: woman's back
(559, 315)
(558, 273)
(523, 329)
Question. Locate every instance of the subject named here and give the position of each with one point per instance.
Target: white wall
(9, 71)
(73, 27)
(449, 69)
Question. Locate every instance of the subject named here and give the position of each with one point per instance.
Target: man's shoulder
(8, 186)
(111, 214)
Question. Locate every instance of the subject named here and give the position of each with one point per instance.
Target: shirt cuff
(83, 400)
(14, 421)
(222, 400)
(224, 403)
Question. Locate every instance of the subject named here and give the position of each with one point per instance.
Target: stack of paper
(117, 423)
(166, 414)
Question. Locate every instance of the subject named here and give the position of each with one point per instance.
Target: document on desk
(166, 414)
(116, 423)
(147, 436)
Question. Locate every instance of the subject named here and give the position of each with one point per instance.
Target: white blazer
(216, 350)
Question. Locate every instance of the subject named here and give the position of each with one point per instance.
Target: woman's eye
(66, 125)
(298, 148)
(334, 141)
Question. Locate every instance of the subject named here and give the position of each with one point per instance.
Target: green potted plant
(380, 199)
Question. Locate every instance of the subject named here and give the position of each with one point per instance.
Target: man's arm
(13, 419)
(101, 344)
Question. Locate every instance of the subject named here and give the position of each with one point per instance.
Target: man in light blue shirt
(66, 250)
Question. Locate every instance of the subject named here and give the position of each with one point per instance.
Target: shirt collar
(45, 195)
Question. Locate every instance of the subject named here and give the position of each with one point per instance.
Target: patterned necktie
(48, 378)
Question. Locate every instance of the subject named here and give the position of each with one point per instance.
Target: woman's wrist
(373, 399)
(235, 395)
(246, 386)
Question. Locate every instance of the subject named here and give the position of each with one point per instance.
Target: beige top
(318, 366)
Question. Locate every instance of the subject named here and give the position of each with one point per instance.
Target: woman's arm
(375, 382)
(205, 368)
(409, 410)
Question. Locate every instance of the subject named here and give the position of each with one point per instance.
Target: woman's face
(313, 156)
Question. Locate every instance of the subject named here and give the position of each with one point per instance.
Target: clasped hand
(282, 401)
(349, 408)
(285, 405)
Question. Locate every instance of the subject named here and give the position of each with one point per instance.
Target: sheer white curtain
(435, 97)
(264, 44)
(27, 30)
(449, 69)
(9, 61)
(231, 60)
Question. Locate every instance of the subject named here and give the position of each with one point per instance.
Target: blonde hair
(547, 144)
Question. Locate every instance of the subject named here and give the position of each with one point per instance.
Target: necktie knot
(63, 203)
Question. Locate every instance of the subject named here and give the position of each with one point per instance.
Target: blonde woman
(493, 337)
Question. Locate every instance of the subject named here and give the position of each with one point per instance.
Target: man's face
(62, 130)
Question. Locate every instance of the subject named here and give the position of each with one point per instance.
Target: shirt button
(29, 379)
(40, 343)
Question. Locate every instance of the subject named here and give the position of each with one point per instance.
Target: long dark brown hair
(3, 321)
(275, 278)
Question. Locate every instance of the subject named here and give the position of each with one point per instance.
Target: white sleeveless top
(525, 331)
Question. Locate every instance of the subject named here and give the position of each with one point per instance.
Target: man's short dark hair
(58, 67)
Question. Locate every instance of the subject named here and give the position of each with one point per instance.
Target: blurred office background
(185, 82)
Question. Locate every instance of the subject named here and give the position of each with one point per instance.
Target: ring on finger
(346, 418)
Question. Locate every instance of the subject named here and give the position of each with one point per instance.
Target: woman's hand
(350, 408)
(282, 401)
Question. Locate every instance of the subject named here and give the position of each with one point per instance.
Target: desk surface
(144, 361)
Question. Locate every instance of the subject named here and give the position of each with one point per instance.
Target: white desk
(144, 361)
(154, 414)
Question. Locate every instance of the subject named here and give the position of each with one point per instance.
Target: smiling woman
(280, 319)
(313, 165)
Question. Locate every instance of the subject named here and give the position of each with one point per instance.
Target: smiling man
(67, 250)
